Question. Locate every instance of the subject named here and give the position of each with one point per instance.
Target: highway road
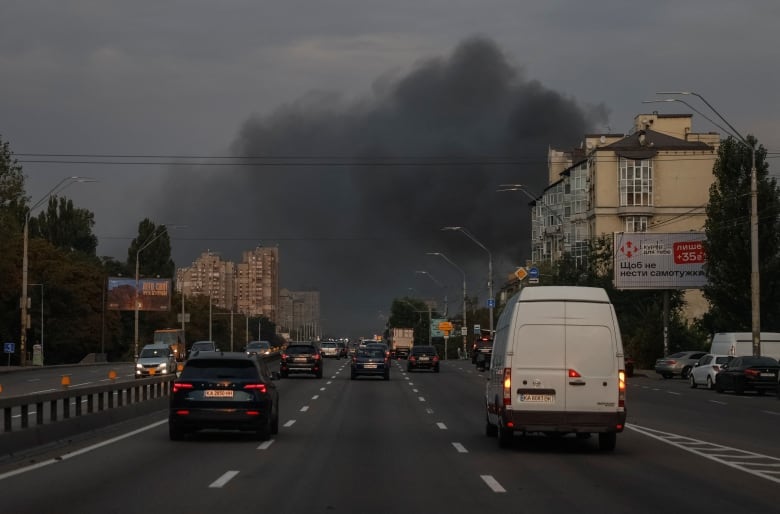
(416, 444)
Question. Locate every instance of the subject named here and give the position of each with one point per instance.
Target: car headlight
(139, 366)
(164, 365)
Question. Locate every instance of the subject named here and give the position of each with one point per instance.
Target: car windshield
(299, 349)
(218, 368)
(329, 345)
(203, 346)
(153, 352)
(722, 360)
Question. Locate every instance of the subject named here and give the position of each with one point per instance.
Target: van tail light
(257, 387)
(182, 386)
(574, 374)
(622, 389)
(507, 386)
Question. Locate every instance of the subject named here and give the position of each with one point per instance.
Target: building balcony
(636, 210)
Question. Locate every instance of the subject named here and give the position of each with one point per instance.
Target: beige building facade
(655, 179)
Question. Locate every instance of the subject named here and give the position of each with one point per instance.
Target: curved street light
(465, 325)
(491, 301)
(755, 288)
(61, 185)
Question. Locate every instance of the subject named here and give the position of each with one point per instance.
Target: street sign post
(9, 348)
(521, 273)
(533, 273)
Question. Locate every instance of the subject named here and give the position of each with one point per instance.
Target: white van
(739, 344)
(557, 366)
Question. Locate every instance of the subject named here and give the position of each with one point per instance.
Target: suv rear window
(219, 368)
(301, 348)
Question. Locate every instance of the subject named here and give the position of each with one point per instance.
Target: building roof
(644, 144)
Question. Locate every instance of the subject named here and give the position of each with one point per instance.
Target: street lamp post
(62, 184)
(491, 301)
(144, 246)
(465, 325)
(755, 288)
(423, 272)
(41, 343)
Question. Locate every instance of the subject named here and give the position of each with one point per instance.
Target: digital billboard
(154, 294)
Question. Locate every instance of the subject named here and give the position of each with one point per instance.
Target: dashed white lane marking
(266, 444)
(753, 463)
(773, 413)
(441, 425)
(429, 410)
(492, 483)
(460, 448)
(34, 380)
(719, 403)
(407, 378)
(421, 398)
(334, 376)
(315, 397)
(415, 390)
(328, 382)
(304, 408)
(224, 479)
(289, 423)
(673, 392)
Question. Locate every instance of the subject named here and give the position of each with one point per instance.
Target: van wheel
(491, 430)
(692, 381)
(607, 441)
(505, 437)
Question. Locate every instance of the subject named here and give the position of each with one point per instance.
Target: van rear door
(538, 358)
(591, 359)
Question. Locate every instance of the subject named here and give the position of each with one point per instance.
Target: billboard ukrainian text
(645, 260)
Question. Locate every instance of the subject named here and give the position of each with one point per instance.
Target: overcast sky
(363, 126)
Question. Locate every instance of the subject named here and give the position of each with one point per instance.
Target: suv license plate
(218, 393)
(536, 398)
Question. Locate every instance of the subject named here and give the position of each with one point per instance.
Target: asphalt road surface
(416, 444)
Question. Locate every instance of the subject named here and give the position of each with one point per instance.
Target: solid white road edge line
(493, 483)
(224, 479)
(81, 451)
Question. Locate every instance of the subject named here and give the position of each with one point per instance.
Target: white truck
(401, 342)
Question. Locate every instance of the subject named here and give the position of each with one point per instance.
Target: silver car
(155, 359)
(678, 364)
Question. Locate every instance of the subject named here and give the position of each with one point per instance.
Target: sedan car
(748, 374)
(704, 371)
(258, 348)
(678, 364)
(370, 361)
(224, 391)
(423, 357)
(301, 358)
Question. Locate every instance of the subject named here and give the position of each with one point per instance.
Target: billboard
(154, 294)
(645, 260)
(435, 331)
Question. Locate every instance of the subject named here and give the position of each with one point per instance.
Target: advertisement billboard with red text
(646, 260)
(154, 294)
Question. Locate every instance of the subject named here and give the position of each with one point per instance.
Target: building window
(636, 224)
(636, 182)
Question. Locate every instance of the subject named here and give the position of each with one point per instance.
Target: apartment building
(299, 314)
(654, 179)
(250, 287)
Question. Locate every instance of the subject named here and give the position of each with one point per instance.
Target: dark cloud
(355, 192)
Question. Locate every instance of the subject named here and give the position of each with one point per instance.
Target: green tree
(155, 245)
(12, 211)
(728, 241)
(66, 226)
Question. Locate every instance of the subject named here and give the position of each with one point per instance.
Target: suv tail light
(622, 389)
(507, 386)
(257, 387)
(412, 358)
(317, 356)
(435, 358)
(181, 386)
(284, 356)
(752, 373)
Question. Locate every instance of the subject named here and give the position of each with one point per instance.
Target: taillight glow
(253, 413)
(435, 358)
(752, 373)
(412, 358)
(317, 356)
(257, 387)
(507, 386)
(622, 389)
(284, 356)
(181, 386)
(182, 412)
(573, 373)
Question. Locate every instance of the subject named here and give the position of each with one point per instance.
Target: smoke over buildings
(354, 191)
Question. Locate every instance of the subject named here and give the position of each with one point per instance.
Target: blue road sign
(9, 347)
(491, 302)
(533, 272)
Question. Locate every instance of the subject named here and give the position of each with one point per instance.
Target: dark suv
(423, 357)
(224, 391)
(301, 358)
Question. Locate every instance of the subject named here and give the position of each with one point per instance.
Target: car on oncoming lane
(372, 361)
(301, 358)
(224, 391)
(423, 357)
(748, 373)
(155, 359)
(705, 370)
(678, 364)
(258, 348)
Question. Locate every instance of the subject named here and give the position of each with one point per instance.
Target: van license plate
(536, 398)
